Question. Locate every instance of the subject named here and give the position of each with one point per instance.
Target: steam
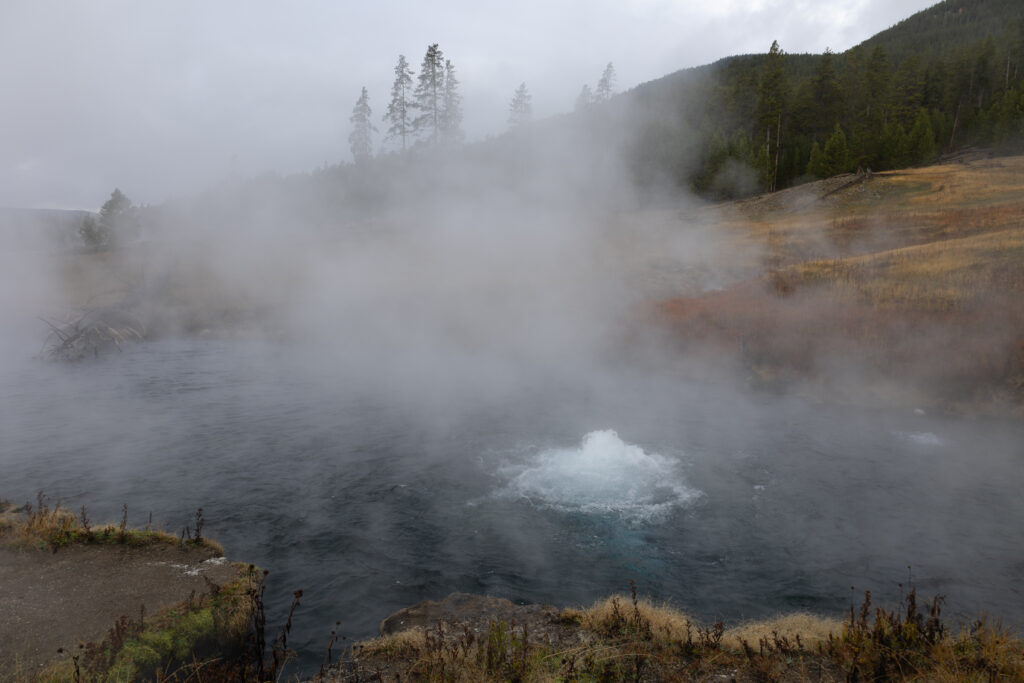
(928, 439)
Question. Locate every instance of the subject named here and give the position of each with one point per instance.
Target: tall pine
(520, 110)
(585, 98)
(360, 140)
(606, 84)
(399, 113)
(451, 112)
(827, 95)
(430, 95)
(772, 100)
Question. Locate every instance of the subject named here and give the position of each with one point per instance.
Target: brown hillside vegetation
(626, 638)
(910, 281)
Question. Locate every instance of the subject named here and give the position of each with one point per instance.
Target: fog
(444, 277)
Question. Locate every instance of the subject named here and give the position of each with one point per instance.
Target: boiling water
(603, 475)
(729, 507)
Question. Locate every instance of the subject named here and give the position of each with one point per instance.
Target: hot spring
(728, 506)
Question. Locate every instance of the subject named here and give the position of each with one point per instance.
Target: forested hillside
(946, 78)
(947, 27)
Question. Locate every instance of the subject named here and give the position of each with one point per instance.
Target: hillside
(897, 288)
(952, 25)
(944, 79)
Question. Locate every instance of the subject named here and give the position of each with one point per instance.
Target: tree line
(426, 109)
(428, 114)
(789, 118)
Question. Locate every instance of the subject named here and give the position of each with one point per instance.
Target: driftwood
(89, 333)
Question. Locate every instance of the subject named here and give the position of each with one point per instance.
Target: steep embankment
(900, 287)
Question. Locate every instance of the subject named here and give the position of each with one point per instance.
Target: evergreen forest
(947, 78)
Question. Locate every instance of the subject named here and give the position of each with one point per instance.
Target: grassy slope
(911, 279)
(627, 639)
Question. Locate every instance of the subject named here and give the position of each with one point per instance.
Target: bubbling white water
(604, 475)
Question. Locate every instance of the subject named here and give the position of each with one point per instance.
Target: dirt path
(56, 600)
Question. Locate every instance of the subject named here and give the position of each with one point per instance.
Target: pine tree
(360, 140)
(716, 152)
(430, 92)
(816, 164)
(762, 164)
(94, 236)
(879, 77)
(399, 113)
(909, 83)
(853, 86)
(451, 113)
(835, 157)
(892, 147)
(520, 111)
(921, 139)
(827, 95)
(585, 98)
(118, 219)
(772, 100)
(606, 84)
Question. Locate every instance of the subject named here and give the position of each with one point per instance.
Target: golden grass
(810, 628)
(668, 622)
(938, 276)
(885, 211)
(663, 619)
(626, 638)
(52, 528)
(913, 277)
(403, 644)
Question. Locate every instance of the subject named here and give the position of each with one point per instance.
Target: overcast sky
(167, 98)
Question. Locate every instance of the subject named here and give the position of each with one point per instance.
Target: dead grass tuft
(811, 629)
(619, 611)
(402, 644)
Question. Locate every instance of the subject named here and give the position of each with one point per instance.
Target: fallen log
(89, 333)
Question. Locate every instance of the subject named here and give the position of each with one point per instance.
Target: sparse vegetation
(52, 528)
(625, 638)
(203, 638)
(913, 278)
(221, 636)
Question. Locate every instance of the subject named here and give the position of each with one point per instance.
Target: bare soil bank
(53, 600)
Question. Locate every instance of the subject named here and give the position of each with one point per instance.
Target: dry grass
(662, 619)
(943, 276)
(912, 278)
(402, 644)
(811, 629)
(624, 638)
(45, 527)
(886, 211)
